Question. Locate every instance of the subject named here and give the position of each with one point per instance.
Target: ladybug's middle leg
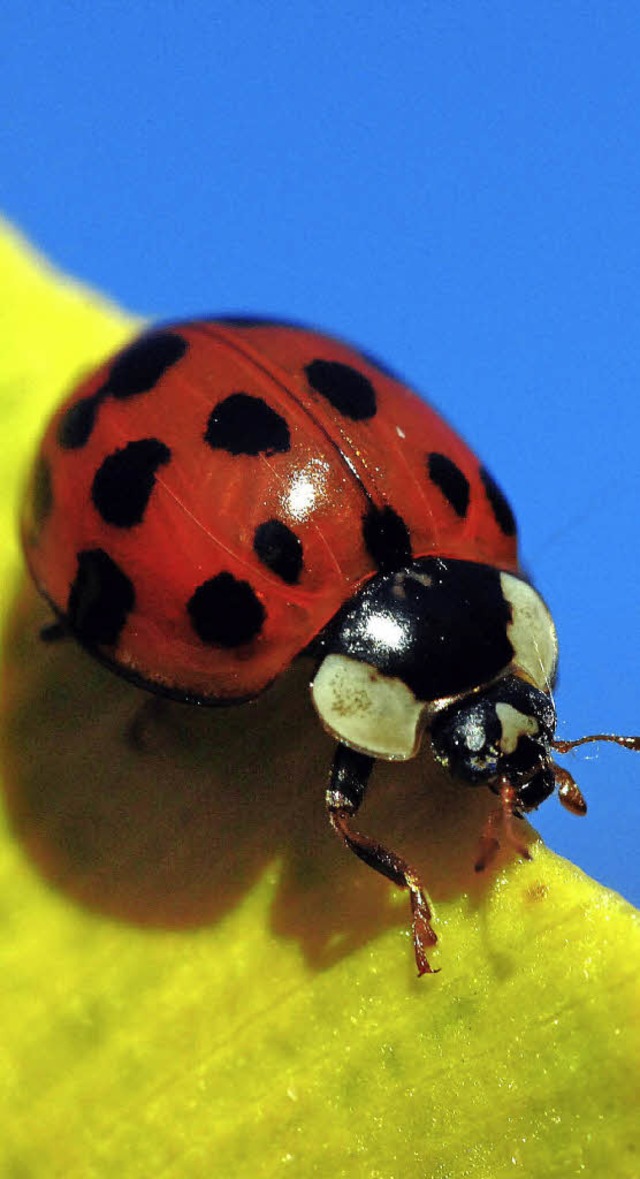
(349, 777)
(149, 711)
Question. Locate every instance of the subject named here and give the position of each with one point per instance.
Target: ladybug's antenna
(569, 792)
(627, 742)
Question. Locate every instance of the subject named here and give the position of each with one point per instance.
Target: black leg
(349, 778)
(53, 632)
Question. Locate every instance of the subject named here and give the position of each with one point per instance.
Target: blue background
(453, 186)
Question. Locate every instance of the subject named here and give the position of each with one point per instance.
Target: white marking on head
(370, 712)
(514, 725)
(531, 632)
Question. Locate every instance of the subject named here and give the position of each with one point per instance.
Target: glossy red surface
(207, 504)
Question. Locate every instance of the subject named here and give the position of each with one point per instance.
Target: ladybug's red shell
(203, 505)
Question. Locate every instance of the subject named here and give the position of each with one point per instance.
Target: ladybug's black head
(465, 652)
(501, 734)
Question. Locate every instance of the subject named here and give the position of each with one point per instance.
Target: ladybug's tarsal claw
(488, 848)
(423, 932)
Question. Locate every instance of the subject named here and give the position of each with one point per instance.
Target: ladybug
(223, 495)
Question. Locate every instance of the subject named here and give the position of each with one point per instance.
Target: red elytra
(322, 465)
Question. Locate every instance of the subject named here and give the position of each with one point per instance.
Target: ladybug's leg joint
(350, 774)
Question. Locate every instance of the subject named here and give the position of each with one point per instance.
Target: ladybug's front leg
(349, 778)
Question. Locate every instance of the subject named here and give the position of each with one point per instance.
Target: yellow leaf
(197, 980)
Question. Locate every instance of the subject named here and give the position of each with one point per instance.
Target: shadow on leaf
(173, 835)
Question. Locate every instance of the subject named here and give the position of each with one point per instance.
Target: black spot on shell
(135, 370)
(500, 506)
(77, 423)
(123, 483)
(451, 481)
(226, 612)
(278, 547)
(386, 538)
(242, 424)
(139, 368)
(100, 599)
(346, 389)
(40, 499)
